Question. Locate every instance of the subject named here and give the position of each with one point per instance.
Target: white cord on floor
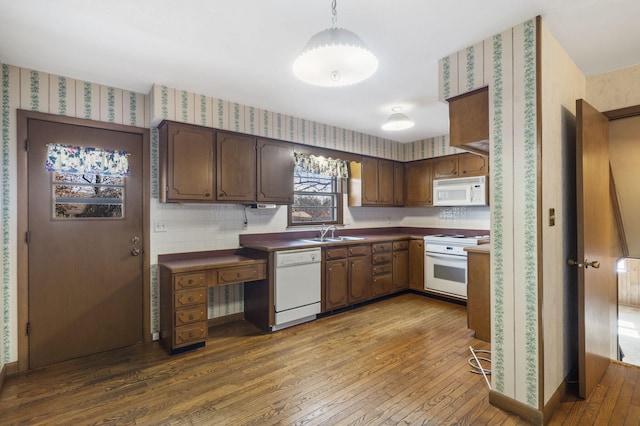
(477, 368)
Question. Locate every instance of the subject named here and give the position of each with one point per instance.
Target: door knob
(135, 252)
(135, 240)
(594, 263)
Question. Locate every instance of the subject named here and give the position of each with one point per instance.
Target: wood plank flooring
(399, 361)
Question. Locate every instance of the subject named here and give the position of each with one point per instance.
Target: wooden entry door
(596, 267)
(85, 271)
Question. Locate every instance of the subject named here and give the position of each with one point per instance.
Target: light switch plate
(160, 226)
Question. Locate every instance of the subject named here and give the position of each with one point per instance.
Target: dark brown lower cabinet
(400, 265)
(416, 265)
(347, 275)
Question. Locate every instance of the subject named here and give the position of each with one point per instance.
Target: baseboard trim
(7, 370)
(226, 319)
(550, 407)
(520, 409)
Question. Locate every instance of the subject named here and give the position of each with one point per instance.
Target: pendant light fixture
(335, 57)
(398, 120)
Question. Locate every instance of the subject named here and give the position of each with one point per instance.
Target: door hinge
(28, 328)
(26, 145)
(27, 237)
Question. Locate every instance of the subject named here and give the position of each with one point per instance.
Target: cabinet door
(445, 167)
(469, 121)
(275, 172)
(400, 269)
(336, 284)
(418, 183)
(236, 167)
(186, 163)
(385, 182)
(473, 165)
(369, 181)
(416, 265)
(359, 278)
(398, 184)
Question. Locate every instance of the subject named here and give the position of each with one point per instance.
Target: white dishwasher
(297, 286)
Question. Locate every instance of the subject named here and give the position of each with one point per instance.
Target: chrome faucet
(323, 231)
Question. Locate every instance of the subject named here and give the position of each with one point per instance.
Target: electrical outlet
(160, 226)
(156, 336)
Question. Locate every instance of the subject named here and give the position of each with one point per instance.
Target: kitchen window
(317, 191)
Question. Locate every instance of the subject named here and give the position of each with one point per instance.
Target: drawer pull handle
(190, 299)
(190, 317)
(191, 335)
(190, 281)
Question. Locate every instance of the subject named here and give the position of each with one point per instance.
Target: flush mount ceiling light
(397, 120)
(335, 57)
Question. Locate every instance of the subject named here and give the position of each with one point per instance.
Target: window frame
(339, 206)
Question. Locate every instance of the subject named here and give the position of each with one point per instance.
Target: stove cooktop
(455, 239)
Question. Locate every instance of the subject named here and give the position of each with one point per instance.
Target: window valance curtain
(324, 166)
(77, 159)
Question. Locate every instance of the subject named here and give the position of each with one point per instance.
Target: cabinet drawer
(380, 247)
(381, 258)
(186, 281)
(190, 334)
(335, 253)
(241, 274)
(190, 316)
(189, 297)
(362, 250)
(382, 269)
(401, 245)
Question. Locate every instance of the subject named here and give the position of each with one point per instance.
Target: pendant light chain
(334, 14)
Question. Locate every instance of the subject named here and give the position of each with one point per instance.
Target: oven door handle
(446, 256)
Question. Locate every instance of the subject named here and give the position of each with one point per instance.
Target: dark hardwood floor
(399, 361)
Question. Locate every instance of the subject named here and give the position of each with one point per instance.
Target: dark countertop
(480, 248)
(197, 261)
(290, 244)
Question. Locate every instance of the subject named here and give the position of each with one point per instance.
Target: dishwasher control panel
(298, 257)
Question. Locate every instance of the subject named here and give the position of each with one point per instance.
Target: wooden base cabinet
(416, 264)
(382, 269)
(347, 275)
(400, 265)
(183, 308)
(478, 292)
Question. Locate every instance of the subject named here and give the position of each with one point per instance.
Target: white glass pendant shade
(397, 121)
(335, 57)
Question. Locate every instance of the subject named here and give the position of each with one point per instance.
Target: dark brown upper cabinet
(372, 183)
(187, 162)
(472, 165)
(276, 163)
(445, 167)
(236, 167)
(398, 184)
(199, 164)
(460, 165)
(469, 121)
(418, 183)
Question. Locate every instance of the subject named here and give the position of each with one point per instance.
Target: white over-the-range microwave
(464, 191)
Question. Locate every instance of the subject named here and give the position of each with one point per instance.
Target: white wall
(562, 83)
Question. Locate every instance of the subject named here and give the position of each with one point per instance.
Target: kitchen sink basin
(330, 239)
(349, 238)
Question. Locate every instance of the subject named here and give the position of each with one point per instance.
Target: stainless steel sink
(324, 240)
(345, 238)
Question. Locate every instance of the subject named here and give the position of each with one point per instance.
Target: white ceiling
(242, 50)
